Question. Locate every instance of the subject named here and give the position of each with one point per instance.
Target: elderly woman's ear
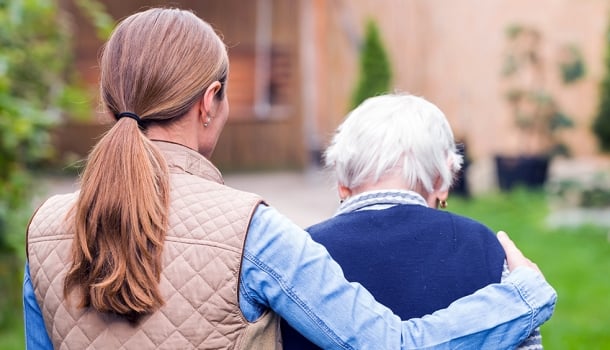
(344, 192)
(438, 197)
(441, 189)
(442, 200)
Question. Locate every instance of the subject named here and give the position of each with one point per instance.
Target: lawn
(575, 261)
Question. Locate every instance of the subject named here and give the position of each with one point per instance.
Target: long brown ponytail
(156, 64)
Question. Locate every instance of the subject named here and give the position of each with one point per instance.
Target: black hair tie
(132, 116)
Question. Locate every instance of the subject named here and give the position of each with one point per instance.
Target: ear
(435, 196)
(442, 196)
(209, 101)
(344, 192)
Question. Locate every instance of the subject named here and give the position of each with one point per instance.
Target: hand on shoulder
(514, 257)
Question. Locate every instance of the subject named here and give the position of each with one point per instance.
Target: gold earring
(442, 204)
(208, 119)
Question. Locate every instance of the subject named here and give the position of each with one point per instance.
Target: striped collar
(377, 200)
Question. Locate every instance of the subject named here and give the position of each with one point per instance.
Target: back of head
(158, 62)
(390, 134)
(155, 65)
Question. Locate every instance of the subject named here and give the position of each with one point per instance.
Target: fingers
(514, 257)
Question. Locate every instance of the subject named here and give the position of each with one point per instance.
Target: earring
(442, 204)
(208, 119)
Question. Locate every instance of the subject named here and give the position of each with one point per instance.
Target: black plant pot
(528, 171)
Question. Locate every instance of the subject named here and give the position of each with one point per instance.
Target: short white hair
(391, 133)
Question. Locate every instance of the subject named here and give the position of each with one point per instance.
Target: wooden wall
(269, 140)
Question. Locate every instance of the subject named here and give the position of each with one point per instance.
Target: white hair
(391, 133)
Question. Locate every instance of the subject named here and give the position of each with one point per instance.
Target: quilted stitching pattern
(201, 259)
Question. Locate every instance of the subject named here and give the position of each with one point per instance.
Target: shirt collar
(383, 199)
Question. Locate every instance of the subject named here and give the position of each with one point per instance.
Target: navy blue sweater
(413, 259)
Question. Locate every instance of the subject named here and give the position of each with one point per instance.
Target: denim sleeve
(284, 270)
(534, 340)
(36, 336)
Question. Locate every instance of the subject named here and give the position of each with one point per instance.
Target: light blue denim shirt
(284, 270)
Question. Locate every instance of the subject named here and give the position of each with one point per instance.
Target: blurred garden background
(525, 85)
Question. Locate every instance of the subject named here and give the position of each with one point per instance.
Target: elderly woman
(155, 252)
(395, 160)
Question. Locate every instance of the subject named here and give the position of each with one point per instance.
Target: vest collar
(184, 159)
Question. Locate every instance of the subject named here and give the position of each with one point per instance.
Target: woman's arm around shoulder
(284, 270)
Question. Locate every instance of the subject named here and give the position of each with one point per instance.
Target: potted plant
(537, 115)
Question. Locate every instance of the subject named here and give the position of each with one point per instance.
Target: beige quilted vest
(201, 258)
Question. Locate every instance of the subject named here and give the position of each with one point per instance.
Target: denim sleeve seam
(532, 310)
(294, 296)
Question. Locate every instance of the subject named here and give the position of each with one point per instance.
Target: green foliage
(572, 65)
(375, 72)
(37, 89)
(601, 125)
(34, 59)
(99, 17)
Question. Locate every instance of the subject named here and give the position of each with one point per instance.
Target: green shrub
(37, 89)
(375, 73)
(34, 59)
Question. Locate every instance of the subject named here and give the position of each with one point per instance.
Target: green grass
(576, 261)
(12, 337)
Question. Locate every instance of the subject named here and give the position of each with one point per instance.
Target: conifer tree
(374, 72)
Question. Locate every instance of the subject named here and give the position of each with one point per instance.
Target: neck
(182, 130)
(393, 182)
(162, 134)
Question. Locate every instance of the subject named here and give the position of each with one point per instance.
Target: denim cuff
(536, 292)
